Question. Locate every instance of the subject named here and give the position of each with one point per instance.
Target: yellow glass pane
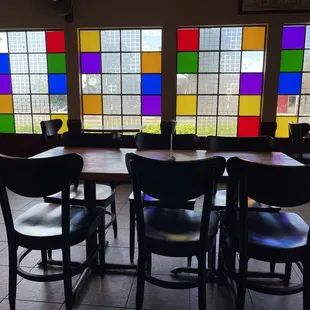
(186, 105)
(282, 125)
(151, 62)
(92, 104)
(64, 118)
(249, 105)
(90, 41)
(6, 104)
(253, 38)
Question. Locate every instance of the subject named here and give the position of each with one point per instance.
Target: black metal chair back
(50, 129)
(148, 141)
(297, 133)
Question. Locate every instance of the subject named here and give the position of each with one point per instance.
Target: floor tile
(118, 255)
(3, 236)
(123, 221)
(85, 307)
(29, 261)
(30, 305)
(122, 239)
(125, 209)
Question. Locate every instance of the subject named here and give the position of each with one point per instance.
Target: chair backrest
(268, 129)
(168, 127)
(239, 144)
(297, 132)
(149, 141)
(174, 183)
(50, 128)
(99, 140)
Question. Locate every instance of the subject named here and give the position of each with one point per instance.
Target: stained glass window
(33, 82)
(220, 80)
(121, 77)
(294, 79)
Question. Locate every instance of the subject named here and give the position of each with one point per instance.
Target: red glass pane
(55, 41)
(188, 39)
(248, 126)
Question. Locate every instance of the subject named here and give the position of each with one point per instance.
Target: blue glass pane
(4, 63)
(151, 84)
(289, 83)
(57, 83)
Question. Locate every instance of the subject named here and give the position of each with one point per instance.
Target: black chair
(50, 131)
(47, 227)
(268, 129)
(146, 141)
(275, 237)
(169, 229)
(297, 135)
(105, 194)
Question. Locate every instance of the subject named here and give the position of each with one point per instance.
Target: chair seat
(179, 230)
(104, 195)
(305, 157)
(43, 221)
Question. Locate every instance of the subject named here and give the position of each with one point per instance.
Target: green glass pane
(187, 62)
(56, 63)
(291, 60)
(7, 123)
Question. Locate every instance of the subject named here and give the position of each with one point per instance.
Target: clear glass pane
(208, 84)
(307, 60)
(111, 62)
(3, 42)
(305, 86)
(307, 43)
(131, 84)
(36, 122)
(92, 121)
(111, 84)
(17, 42)
(112, 104)
(304, 108)
(209, 39)
(59, 104)
(252, 61)
(304, 120)
(132, 122)
(231, 38)
(130, 40)
(112, 122)
(229, 83)
(40, 104)
(151, 121)
(110, 41)
(36, 41)
(19, 63)
(186, 84)
(20, 84)
(151, 40)
(208, 62)
(206, 126)
(130, 62)
(288, 104)
(39, 84)
(91, 83)
(23, 123)
(227, 126)
(37, 63)
(230, 61)
(207, 105)
(228, 105)
(132, 105)
(185, 124)
(21, 103)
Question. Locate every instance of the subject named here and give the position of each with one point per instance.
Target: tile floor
(118, 291)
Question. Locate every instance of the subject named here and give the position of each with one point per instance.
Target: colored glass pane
(7, 123)
(282, 125)
(151, 84)
(56, 63)
(253, 38)
(151, 105)
(6, 104)
(90, 63)
(251, 83)
(248, 126)
(188, 39)
(289, 83)
(186, 105)
(92, 104)
(4, 64)
(55, 41)
(90, 40)
(291, 60)
(5, 84)
(293, 37)
(187, 62)
(57, 83)
(64, 119)
(250, 105)
(151, 62)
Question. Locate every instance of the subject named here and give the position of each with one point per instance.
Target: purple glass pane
(90, 63)
(5, 84)
(293, 37)
(251, 83)
(151, 105)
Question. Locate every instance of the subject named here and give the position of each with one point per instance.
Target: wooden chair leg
(44, 259)
(272, 267)
(189, 261)
(12, 277)
(202, 299)
(140, 281)
(49, 254)
(132, 222)
(212, 259)
(149, 263)
(66, 258)
(240, 302)
(102, 243)
(113, 211)
(306, 282)
(288, 272)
